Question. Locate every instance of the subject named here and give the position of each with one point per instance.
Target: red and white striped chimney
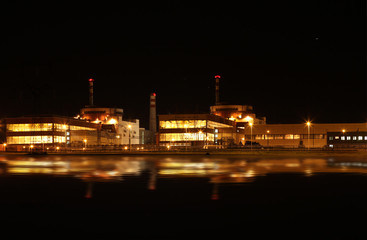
(91, 80)
(217, 77)
(153, 113)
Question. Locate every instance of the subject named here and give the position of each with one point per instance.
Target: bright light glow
(129, 126)
(125, 148)
(57, 148)
(308, 123)
(249, 119)
(85, 140)
(217, 76)
(91, 80)
(112, 121)
(343, 130)
(250, 123)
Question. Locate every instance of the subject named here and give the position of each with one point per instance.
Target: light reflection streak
(217, 170)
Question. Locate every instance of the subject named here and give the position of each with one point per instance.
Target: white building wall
(125, 133)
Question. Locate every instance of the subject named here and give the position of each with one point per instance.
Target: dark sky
(290, 60)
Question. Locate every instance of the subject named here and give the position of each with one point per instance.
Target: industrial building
(225, 126)
(110, 120)
(94, 127)
(344, 139)
(193, 129)
(52, 133)
(238, 126)
(304, 135)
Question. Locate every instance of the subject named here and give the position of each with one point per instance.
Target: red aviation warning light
(217, 76)
(91, 80)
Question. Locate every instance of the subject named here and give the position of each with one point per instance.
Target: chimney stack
(217, 77)
(91, 80)
(153, 113)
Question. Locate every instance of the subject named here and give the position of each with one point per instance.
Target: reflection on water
(220, 170)
(164, 196)
(216, 169)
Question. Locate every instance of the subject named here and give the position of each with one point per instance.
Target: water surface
(183, 197)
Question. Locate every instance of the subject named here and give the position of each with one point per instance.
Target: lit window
(289, 136)
(330, 138)
(336, 137)
(354, 137)
(360, 137)
(365, 137)
(348, 137)
(342, 138)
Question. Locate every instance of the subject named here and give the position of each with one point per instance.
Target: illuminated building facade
(302, 135)
(51, 132)
(344, 139)
(193, 129)
(111, 120)
(237, 113)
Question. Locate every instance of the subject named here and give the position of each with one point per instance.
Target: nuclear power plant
(95, 127)
(102, 128)
(237, 126)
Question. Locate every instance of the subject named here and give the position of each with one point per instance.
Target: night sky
(290, 60)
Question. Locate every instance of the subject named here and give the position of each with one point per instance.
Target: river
(183, 197)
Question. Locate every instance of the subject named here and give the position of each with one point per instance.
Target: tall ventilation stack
(91, 80)
(153, 113)
(217, 77)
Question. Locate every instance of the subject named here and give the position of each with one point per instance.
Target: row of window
(174, 124)
(34, 139)
(63, 127)
(182, 124)
(42, 127)
(29, 127)
(348, 138)
(285, 136)
(171, 137)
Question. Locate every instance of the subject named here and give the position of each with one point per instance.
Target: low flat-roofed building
(347, 139)
(54, 131)
(298, 135)
(193, 129)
